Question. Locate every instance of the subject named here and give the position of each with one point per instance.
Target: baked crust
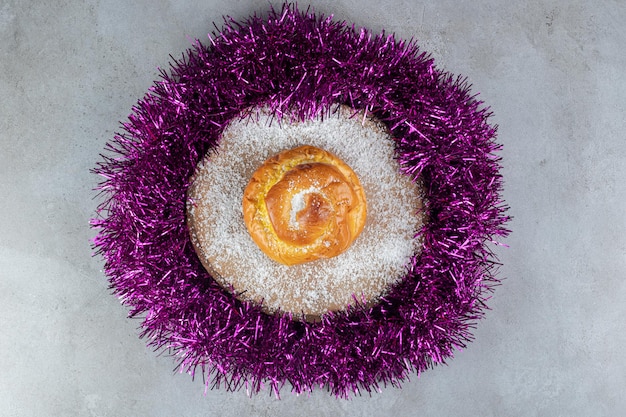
(304, 204)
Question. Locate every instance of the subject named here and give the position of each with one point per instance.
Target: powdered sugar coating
(374, 262)
(298, 204)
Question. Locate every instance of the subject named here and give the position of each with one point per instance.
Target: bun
(304, 204)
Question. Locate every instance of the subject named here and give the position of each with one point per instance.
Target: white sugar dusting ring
(376, 260)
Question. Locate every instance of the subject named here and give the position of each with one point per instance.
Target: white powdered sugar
(364, 272)
(297, 205)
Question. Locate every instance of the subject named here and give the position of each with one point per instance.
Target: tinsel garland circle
(299, 64)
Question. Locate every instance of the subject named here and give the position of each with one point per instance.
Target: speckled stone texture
(553, 74)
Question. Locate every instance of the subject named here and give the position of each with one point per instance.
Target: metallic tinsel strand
(299, 64)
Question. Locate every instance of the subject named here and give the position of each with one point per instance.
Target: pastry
(304, 204)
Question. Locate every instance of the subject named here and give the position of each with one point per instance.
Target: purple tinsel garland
(293, 60)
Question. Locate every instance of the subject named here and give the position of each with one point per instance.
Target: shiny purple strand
(299, 64)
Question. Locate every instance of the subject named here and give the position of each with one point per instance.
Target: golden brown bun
(304, 204)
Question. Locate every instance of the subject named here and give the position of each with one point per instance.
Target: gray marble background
(553, 73)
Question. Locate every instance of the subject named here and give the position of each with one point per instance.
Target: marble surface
(551, 345)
